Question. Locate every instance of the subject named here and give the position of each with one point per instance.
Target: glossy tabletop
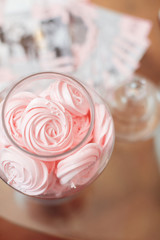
(124, 202)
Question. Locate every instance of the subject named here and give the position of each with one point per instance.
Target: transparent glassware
(57, 136)
(135, 109)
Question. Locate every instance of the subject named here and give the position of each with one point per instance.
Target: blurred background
(103, 43)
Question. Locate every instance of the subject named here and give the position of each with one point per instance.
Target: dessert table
(124, 202)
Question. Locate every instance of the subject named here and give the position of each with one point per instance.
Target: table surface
(124, 203)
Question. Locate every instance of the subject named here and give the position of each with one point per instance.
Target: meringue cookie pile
(49, 124)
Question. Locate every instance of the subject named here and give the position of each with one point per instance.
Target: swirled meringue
(80, 128)
(52, 179)
(54, 188)
(14, 109)
(80, 167)
(103, 128)
(46, 127)
(27, 175)
(69, 96)
(4, 142)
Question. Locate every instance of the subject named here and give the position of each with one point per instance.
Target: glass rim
(63, 154)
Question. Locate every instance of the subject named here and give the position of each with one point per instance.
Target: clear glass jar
(135, 108)
(57, 136)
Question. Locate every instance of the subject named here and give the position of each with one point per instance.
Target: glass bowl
(56, 137)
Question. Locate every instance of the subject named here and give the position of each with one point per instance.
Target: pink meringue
(80, 167)
(13, 113)
(46, 127)
(80, 128)
(4, 141)
(69, 96)
(103, 127)
(55, 189)
(23, 173)
(52, 179)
